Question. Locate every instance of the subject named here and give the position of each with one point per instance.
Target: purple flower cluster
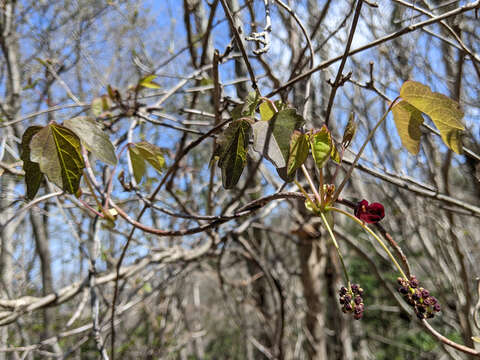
(419, 298)
(352, 301)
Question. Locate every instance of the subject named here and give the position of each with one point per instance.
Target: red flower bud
(371, 214)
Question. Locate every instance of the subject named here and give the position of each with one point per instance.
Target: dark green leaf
(33, 175)
(94, 138)
(272, 138)
(233, 144)
(57, 151)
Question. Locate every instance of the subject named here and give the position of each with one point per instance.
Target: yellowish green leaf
(147, 82)
(408, 120)
(151, 153)
(334, 154)
(138, 164)
(321, 145)
(266, 110)
(444, 112)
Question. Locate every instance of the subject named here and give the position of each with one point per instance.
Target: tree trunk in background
(312, 259)
(9, 46)
(40, 233)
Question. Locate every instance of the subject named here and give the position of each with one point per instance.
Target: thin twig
(340, 79)
(240, 43)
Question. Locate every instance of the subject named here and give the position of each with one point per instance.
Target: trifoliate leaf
(93, 138)
(444, 112)
(33, 175)
(57, 151)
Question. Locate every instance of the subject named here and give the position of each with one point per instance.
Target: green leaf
(247, 109)
(94, 138)
(264, 143)
(408, 120)
(151, 153)
(334, 154)
(206, 81)
(33, 175)
(144, 151)
(148, 82)
(272, 138)
(444, 112)
(298, 152)
(349, 131)
(233, 144)
(57, 151)
(266, 110)
(138, 164)
(321, 145)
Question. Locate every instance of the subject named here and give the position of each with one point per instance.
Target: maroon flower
(371, 214)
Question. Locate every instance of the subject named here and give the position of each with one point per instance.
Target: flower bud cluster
(352, 301)
(419, 298)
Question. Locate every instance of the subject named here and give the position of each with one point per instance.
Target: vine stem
(312, 186)
(371, 232)
(302, 190)
(334, 241)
